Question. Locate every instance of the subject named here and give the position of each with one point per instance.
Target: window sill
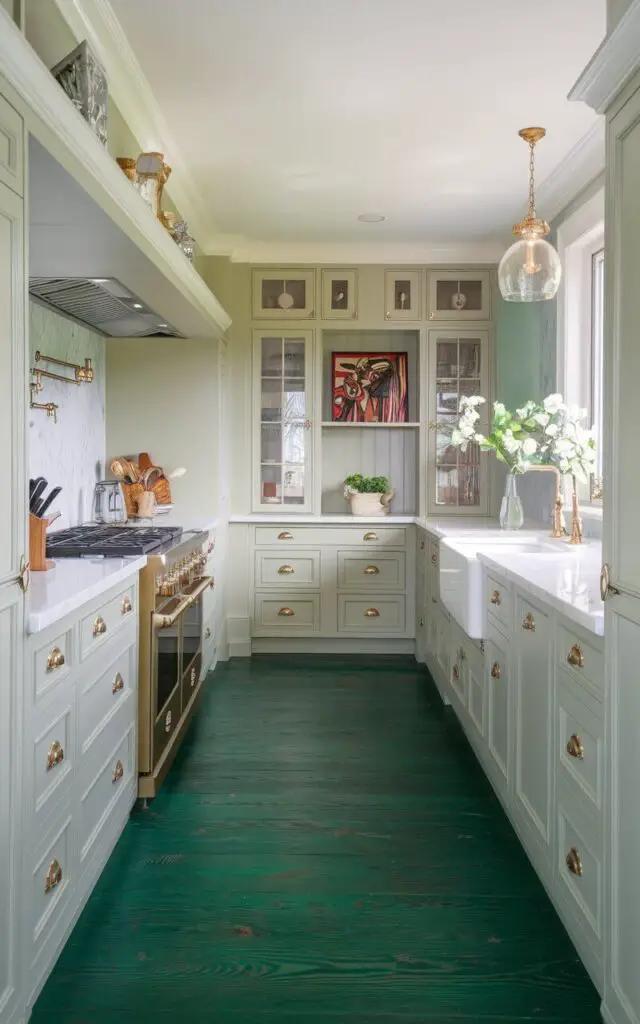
(591, 512)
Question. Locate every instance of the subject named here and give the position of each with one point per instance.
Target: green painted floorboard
(326, 848)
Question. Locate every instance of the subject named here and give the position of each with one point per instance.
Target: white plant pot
(370, 504)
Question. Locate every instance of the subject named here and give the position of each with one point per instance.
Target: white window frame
(580, 237)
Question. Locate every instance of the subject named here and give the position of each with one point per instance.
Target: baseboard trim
(328, 645)
(240, 649)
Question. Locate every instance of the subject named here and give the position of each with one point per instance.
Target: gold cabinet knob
(99, 626)
(55, 659)
(118, 772)
(370, 536)
(432, 315)
(456, 671)
(118, 683)
(55, 755)
(168, 722)
(207, 633)
(193, 677)
(286, 570)
(422, 545)
(575, 657)
(574, 862)
(422, 622)
(529, 623)
(496, 598)
(285, 535)
(286, 612)
(371, 613)
(371, 570)
(496, 671)
(463, 654)
(53, 876)
(126, 605)
(575, 747)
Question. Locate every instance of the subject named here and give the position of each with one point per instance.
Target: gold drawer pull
(286, 612)
(456, 671)
(286, 570)
(496, 671)
(371, 613)
(126, 605)
(55, 659)
(207, 633)
(434, 559)
(55, 755)
(193, 677)
(422, 622)
(529, 623)
(118, 772)
(574, 863)
(99, 626)
(575, 657)
(496, 598)
(168, 722)
(422, 545)
(370, 536)
(371, 570)
(575, 747)
(53, 876)
(285, 535)
(118, 683)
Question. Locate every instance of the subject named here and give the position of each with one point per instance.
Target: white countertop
(71, 583)
(326, 520)
(176, 518)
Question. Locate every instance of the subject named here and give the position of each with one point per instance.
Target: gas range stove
(112, 541)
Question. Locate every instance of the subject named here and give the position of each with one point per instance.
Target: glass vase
(511, 514)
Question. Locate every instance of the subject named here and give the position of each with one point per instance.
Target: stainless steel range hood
(103, 304)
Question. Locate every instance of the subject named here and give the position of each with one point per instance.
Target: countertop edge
(37, 621)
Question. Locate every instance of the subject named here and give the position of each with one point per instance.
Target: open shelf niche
(373, 449)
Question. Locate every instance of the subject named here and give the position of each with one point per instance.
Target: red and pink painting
(369, 387)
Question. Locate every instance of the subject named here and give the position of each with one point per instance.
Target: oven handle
(161, 621)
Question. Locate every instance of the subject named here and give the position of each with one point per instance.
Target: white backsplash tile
(71, 452)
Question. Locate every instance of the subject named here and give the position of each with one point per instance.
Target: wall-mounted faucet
(50, 408)
(82, 374)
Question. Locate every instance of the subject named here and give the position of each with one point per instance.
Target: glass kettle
(109, 505)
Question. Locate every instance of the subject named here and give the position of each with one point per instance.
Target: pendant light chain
(532, 194)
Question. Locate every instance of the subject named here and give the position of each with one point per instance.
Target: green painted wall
(525, 351)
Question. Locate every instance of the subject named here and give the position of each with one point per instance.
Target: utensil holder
(38, 560)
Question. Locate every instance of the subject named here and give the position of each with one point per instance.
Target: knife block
(38, 561)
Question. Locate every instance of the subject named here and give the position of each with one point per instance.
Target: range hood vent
(103, 304)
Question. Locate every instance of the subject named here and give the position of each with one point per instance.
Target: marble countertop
(323, 520)
(71, 583)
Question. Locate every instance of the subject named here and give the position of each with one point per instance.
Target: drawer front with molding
(102, 696)
(102, 790)
(11, 147)
(385, 571)
(52, 662)
(286, 614)
(371, 614)
(499, 703)
(582, 658)
(50, 887)
(53, 762)
(498, 601)
(579, 744)
(340, 536)
(99, 626)
(279, 569)
(580, 871)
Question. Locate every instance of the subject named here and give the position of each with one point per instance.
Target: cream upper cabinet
(459, 295)
(458, 365)
(11, 147)
(283, 294)
(282, 404)
(402, 294)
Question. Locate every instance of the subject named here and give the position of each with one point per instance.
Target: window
(597, 365)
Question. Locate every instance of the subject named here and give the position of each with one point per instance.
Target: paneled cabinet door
(282, 393)
(283, 294)
(498, 708)
(11, 662)
(458, 366)
(459, 295)
(12, 385)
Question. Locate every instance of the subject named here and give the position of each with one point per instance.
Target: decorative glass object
(152, 174)
(84, 80)
(511, 514)
(184, 240)
(530, 271)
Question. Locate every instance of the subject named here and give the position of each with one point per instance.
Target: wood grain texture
(326, 849)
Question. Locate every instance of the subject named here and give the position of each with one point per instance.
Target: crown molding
(613, 63)
(95, 21)
(581, 165)
(246, 250)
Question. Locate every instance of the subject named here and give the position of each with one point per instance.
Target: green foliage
(367, 484)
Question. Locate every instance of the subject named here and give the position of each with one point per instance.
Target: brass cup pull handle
(456, 671)
(287, 613)
(529, 623)
(285, 535)
(422, 545)
(126, 605)
(575, 657)
(55, 659)
(574, 862)
(53, 876)
(118, 684)
(496, 598)
(496, 671)
(55, 755)
(118, 772)
(575, 747)
(168, 722)
(372, 570)
(99, 626)
(434, 559)
(286, 570)
(370, 536)
(371, 613)
(207, 633)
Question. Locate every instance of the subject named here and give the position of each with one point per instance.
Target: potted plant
(368, 495)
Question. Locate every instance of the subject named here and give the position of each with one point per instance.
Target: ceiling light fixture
(371, 218)
(530, 270)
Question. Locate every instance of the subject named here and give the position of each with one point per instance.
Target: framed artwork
(369, 387)
(402, 290)
(339, 294)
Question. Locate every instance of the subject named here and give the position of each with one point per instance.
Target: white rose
(553, 403)
(456, 438)
(542, 418)
(479, 438)
(529, 447)
(510, 443)
(551, 430)
(499, 408)
(466, 429)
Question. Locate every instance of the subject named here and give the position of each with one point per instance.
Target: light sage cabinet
(283, 294)
(459, 295)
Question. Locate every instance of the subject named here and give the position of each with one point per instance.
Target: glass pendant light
(530, 270)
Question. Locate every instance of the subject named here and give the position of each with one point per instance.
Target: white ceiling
(295, 116)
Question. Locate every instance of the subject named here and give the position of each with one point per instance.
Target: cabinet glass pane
(447, 359)
(458, 373)
(459, 295)
(272, 357)
(295, 400)
(294, 443)
(294, 359)
(271, 484)
(293, 489)
(285, 295)
(271, 405)
(271, 443)
(445, 452)
(470, 358)
(402, 297)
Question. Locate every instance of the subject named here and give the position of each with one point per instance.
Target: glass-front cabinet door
(458, 365)
(283, 294)
(459, 295)
(283, 368)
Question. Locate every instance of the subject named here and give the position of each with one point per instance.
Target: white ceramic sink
(461, 572)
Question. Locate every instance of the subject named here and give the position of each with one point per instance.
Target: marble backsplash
(71, 452)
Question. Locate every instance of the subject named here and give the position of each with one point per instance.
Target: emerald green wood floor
(326, 848)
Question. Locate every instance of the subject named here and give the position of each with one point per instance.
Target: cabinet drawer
(288, 570)
(581, 658)
(11, 147)
(100, 625)
(498, 600)
(51, 887)
(580, 871)
(368, 614)
(499, 726)
(101, 698)
(579, 744)
(383, 571)
(102, 792)
(53, 763)
(345, 536)
(276, 614)
(52, 662)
